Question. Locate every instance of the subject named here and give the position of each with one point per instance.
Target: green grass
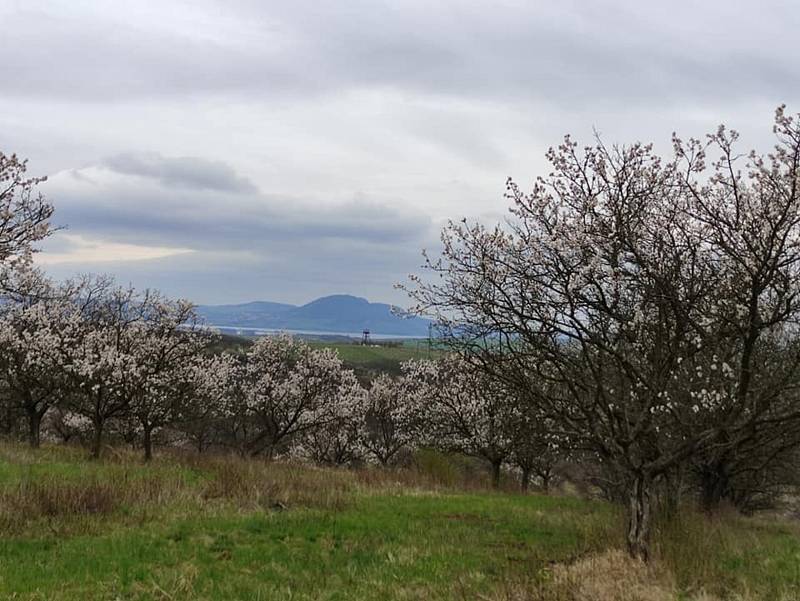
(381, 547)
(366, 361)
(223, 528)
(378, 359)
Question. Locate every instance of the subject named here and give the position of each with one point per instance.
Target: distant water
(269, 331)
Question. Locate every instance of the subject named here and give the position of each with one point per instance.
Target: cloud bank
(246, 149)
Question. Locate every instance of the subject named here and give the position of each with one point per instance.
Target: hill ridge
(333, 313)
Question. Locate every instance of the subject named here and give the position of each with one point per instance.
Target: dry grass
(77, 503)
(59, 485)
(756, 556)
(256, 484)
(611, 575)
(726, 557)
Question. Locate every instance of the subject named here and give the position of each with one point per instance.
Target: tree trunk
(263, 445)
(639, 518)
(546, 477)
(148, 444)
(496, 465)
(267, 451)
(525, 479)
(34, 428)
(97, 440)
(673, 484)
(714, 486)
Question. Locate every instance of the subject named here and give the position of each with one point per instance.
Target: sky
(239, 150)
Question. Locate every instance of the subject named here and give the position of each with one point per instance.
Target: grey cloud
(606, 51)
(95, 60)
(182, 172)
(419, 103)
(212, 220)
(276, 247)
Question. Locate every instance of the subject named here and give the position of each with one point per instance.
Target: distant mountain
(337, 313)
(244, 315)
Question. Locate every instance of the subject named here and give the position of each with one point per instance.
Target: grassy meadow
(365, 360)
(378, 358)
(217, 528)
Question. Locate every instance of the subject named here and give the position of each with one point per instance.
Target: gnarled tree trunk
(639, 517)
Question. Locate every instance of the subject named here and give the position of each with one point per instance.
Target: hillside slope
(210, 528)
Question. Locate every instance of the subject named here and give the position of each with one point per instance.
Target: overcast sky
(236, 150)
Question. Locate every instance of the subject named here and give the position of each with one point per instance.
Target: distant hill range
(340, 313)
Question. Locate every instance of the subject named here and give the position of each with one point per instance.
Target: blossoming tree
(24, 213)
(337, 440)
(466, 411)
(40, 322)
(286, 390)
(204, 411)
(632, 296)
(392, 420)
(169, 342)
(35, 328)
(105, 364)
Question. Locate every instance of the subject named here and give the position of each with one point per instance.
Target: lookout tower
(365, 337)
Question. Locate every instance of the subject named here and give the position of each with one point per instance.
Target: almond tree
(64, 425)
(239, 427)
(630, 295)
(338, 439)
(392, 419)
(24, 220)
(466, 411)
(24, 213)
(104, 364)
(166, 347)
(204, 412)
(749, 209)
(536, 449)
(32, 342)
(39, 323)
(287, 389)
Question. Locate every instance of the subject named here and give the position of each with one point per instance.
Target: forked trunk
(546, 477)
(639, 518)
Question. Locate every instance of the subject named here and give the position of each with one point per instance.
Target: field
(207, 528)
(379, 359)
(367, 361)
